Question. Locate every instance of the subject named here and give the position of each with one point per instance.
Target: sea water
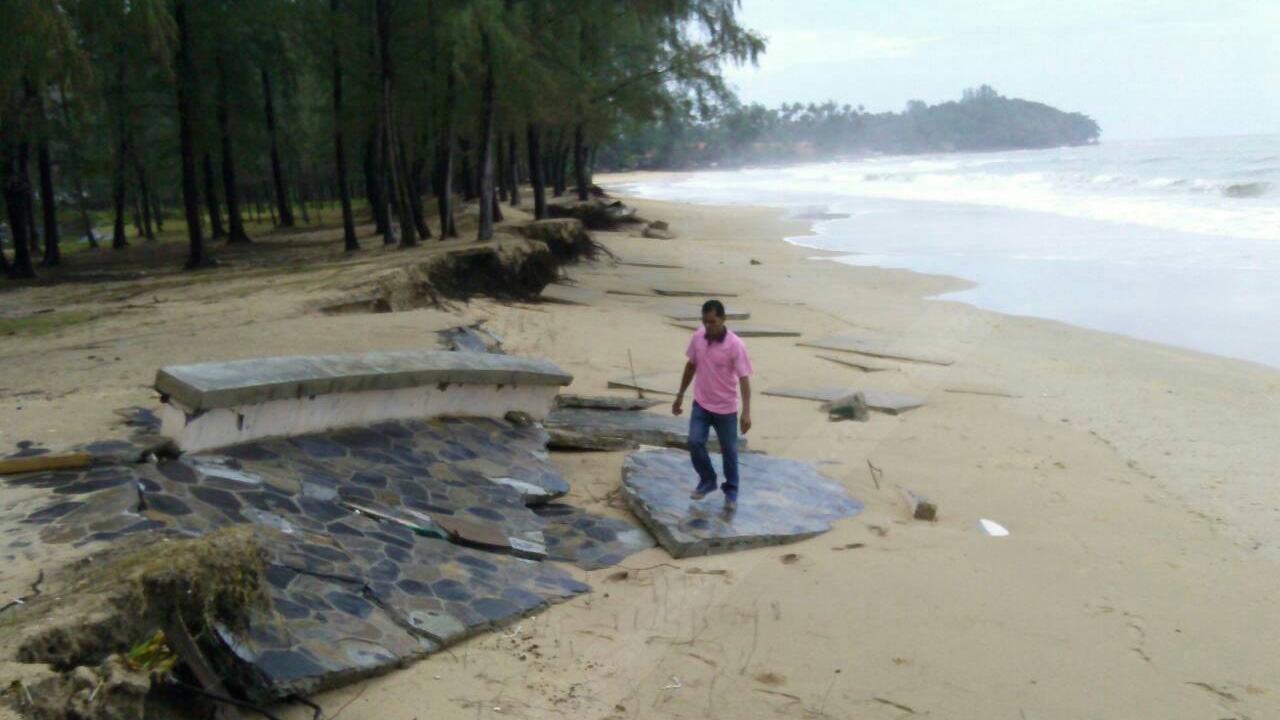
(1173, 241)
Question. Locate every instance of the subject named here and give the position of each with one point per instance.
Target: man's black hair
(713, 305)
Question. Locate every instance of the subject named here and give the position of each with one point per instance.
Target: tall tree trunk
(157, 210)
(502, 188)
(77, 172)
(17, 188)
(118, 186)
(466, 176)
(349, 241)
(211, 200)
(138, 230)
(534, 132)
(48, 202)
(580, 162)
(444, 184)
(190, 198)
(302, 197)
(144, 198)
(230, 189)
(487, 201)
(513, 171)
(416, 192)
(393, 163)
(277, 172)
(372, 187)
(385, 187)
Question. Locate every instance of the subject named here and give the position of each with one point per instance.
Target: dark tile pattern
(352, 595)
(589, 541)
(779, 501)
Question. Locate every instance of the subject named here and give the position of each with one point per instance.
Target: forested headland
(167, 118)
(737, 134)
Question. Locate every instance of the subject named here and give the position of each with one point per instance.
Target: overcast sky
(1141, 68)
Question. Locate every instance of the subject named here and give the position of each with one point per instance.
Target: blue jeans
(700, 423)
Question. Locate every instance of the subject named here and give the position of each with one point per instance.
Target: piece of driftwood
(920, 506)
(41, 463)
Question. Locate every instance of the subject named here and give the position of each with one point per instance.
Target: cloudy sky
(1141, 68)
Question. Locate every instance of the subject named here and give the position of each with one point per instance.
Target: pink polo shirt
(718, 367)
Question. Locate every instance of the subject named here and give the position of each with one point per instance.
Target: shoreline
(1135, 480)
(1180, 287)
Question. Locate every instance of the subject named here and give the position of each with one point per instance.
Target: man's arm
(676, 408)
(744, 385)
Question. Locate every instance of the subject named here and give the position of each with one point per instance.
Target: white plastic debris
(992, 528)
(675, 684)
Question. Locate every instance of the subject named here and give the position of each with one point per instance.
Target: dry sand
(1138, 580)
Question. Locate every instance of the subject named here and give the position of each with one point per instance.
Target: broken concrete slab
(212, 385)
(571, 294)
(883, 347)
(891, 403)
(780, 501)
(587, 540)
(470, 339)
(693, 313)
(747, 329)
(606, 402)
(213, 405)
(663, 383)
(820, 393)
(859, 364)
(886, 402)
(583, 429)
(689, 292)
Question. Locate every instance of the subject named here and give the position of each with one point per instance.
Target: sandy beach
(1136, 481)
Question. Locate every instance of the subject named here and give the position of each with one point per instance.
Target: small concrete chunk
(780, 501)
(850, 407)
(918, 505)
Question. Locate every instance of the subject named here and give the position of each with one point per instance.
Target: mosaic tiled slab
(779, 501)
(589, 541)
(358, 605)
(579, 428)
(354, 590)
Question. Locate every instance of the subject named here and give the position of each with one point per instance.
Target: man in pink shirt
(718, 366)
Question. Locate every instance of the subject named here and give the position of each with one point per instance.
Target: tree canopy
(119, 109)
(734, 133)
